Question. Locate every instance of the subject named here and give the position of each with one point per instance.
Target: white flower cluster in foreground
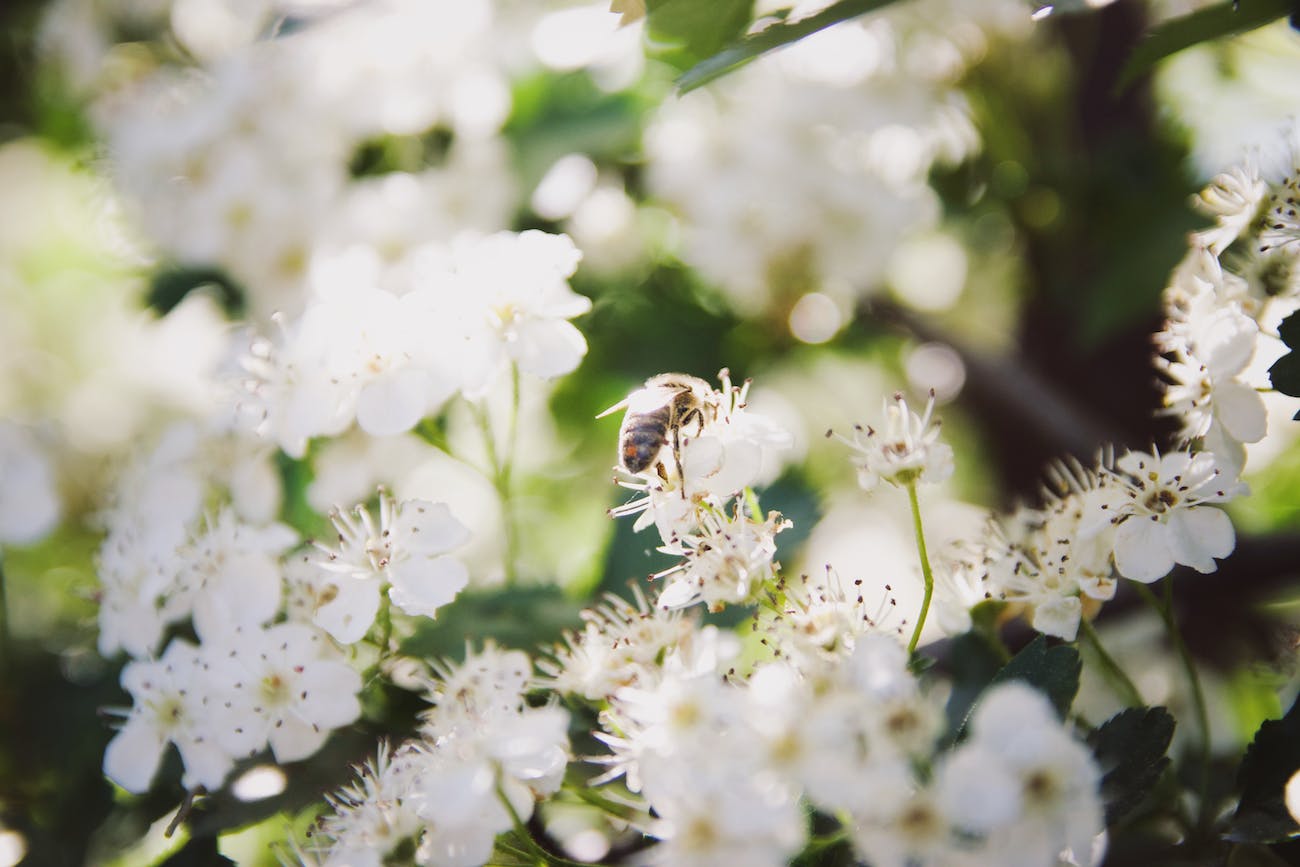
(727, 765)
(1239, 278)
(386, 360)
(705, 450)
(483, 754)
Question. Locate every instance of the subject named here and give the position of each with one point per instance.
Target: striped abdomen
(643, 436)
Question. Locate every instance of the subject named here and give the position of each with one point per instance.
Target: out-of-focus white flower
(905, 451)
(30, 505)
(174, 699)
(1167, 520)
(372, 816)
(405, 549)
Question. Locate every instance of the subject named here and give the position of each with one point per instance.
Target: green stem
(1166, 611)
(501, 468)
(533, 847)
(926, 573)
(1115, 676)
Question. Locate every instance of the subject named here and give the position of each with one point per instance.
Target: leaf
(1053, 671)
(523, 617)
(1130, 748)
(1224, 19)
(688, 30)
(1285, 372)
(1270, 760)
(974, 662)
(743, 51)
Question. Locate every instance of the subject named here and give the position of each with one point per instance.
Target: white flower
(1167, 520)
(373, 815)
(1234, 199)
(511, 300)
(30, 505)
(405, 548)
(905, 451)
(279, 687)
(340, 604)
(174, 701)
(230, 574)
(726, 561)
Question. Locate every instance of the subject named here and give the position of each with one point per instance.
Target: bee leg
(677, 459)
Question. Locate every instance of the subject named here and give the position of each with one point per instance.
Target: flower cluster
(724, 763)
(388, 359)
(702, 451)
(1223, 303)
(1135, 516)
(483, 757)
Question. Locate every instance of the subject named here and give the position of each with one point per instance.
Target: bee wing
(644, 400)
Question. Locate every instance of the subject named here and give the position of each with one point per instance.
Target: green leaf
(685, 31)
(744, 50)
(1285, 372)
(974, 662)
(1270, 760)
(521, 617)
(1051, 670)
(1130, 748)
(1224, 19)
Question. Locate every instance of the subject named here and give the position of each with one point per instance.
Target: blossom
(279, 685)
(1234, 199)
(30, 505)
(906, 450)
(727, 560)
(1167, 519)
(174, 699)
(404, 549)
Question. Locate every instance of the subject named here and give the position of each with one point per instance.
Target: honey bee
(656, 415)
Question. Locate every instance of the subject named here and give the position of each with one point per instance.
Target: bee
(656, 415)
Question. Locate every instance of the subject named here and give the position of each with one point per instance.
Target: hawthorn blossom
(727, 560)
(173, 702)
(280, 685)
(404, 549)
(1168, 519)
(905, 451)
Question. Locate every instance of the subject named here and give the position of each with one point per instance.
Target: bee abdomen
(643, 439)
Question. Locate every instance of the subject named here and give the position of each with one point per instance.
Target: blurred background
(946, 195)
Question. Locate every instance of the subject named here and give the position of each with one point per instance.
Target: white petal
(1226, 343)
(1240, 409)
(421, 585)
(976, 789)
(206, 763)
(294, 739)
(347, 617)
(1200, 534)
(133, 756)
(428, 528)
(393, 403)
(1142, 550)
(1058, 617)
(548, 347)
(327, 693)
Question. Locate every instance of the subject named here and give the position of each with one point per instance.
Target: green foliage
(687, 31)
(1272, 758)
(1228, 18)
(741, 52)
(974, 661)
(171, 283)
(1285, 372)
(1053, 671)
(522, 617)
(1130, 749)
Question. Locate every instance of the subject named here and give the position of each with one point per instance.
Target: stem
(501, 468)
(533, 847)
(926, 573)
(1166, 611)
(1115, 676)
